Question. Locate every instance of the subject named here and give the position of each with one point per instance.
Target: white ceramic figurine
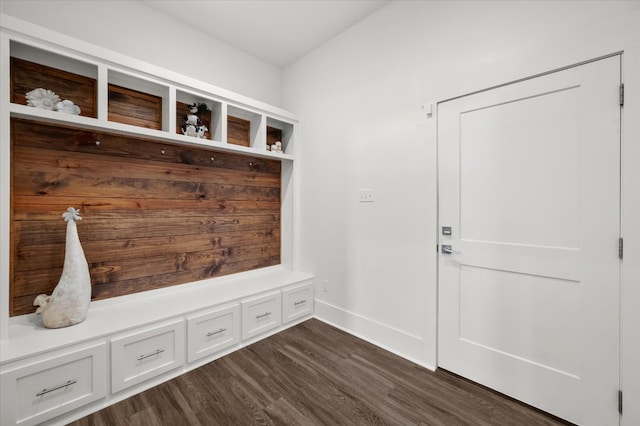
(69, 302)
(193, 126)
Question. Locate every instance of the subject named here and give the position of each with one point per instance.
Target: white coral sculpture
(69, 302)
(68, 107)
(42, 98)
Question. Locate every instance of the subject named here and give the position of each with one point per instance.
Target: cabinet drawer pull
(46, 391)
(299, 303)
(156, 352)
(266, 314)
(213, 333)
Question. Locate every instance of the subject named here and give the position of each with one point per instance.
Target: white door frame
(630, 224)
(630, 231)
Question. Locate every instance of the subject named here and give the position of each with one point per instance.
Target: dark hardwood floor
(315, 374)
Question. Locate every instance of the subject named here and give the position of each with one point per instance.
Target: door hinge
(621, 94)
(620, 401)
(620, 248)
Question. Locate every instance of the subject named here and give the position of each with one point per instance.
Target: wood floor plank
(315, 374)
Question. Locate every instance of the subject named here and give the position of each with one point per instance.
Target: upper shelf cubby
(244, 127)
(61, 78)
(207, 123)
(106, 91)
(137, 101)
(279, 131)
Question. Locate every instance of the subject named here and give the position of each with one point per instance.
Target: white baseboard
(398, 342)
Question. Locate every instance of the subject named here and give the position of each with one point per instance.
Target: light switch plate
(366, 196)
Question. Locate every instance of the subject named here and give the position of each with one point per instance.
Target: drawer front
(297, 302)
(212, 332)
(261, 314)
(40, 391)
(142, 355)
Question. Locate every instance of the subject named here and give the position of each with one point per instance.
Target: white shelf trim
(54, 117)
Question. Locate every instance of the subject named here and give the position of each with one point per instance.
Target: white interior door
(529, 182)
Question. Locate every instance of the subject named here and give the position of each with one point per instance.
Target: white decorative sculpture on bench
(69, 302)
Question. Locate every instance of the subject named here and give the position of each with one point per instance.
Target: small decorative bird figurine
(69, 302)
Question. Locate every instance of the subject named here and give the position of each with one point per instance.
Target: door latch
(447, 249)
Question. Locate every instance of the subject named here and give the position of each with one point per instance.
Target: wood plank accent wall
(150, 219)
(26, 76)
(136, 108)
(238, 131)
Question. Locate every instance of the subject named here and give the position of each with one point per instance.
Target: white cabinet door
(297, 302)
(143, 354)
(212, 332)
(529, 182)
(261, 314)
(34, 392)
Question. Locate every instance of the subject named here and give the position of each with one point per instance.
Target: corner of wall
(398, 342)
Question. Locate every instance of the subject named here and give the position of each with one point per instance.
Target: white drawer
(36, 392)
(213, 331)
(261, 314)
(297, 302)
(141, 355)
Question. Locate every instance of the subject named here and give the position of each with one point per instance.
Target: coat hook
(250, 164)
(162, 151)
(213, 159)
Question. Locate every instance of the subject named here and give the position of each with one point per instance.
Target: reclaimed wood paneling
(136, 108)
(238, 131)
(115, 146)
(154, 214)
(26, 76)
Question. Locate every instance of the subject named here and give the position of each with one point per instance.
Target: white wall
(136, 30)
(359, 97)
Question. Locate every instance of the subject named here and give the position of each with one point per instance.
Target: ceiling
(276, 31)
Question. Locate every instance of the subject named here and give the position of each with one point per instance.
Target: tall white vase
(69, 302)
